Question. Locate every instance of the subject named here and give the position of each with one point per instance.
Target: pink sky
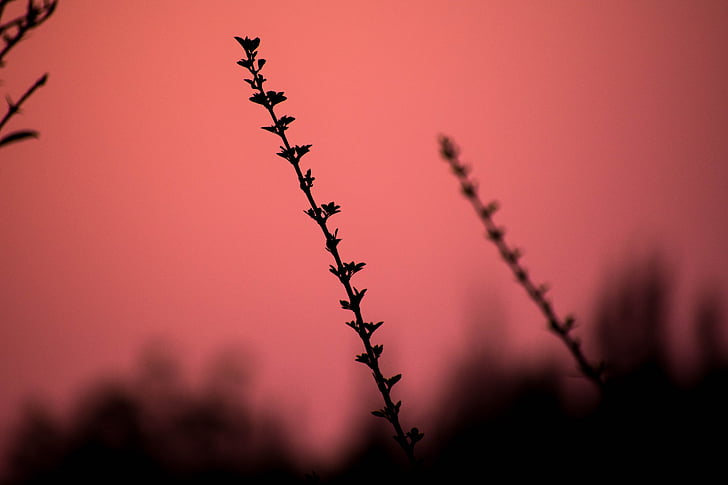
(154, 208)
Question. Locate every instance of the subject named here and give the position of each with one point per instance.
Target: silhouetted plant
(492, 420)
(12, 32)
(344, 271)
(561, 327)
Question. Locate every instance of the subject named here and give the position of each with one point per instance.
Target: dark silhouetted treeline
(494, 423)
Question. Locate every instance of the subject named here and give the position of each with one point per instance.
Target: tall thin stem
(343, 271)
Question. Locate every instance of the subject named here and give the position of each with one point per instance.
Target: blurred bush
(494, 421)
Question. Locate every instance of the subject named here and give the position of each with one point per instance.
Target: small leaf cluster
(320, 214)
(369, 328)
(346, 270)
(268, 99)
(292, 154)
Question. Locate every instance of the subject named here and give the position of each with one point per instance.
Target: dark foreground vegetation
(493, 422)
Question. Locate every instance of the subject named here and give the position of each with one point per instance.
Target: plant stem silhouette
(14, 107)
(561, 327)
(342, 270)
(12, 32)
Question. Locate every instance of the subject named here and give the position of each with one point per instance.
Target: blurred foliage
(494, 421)
(16, 26)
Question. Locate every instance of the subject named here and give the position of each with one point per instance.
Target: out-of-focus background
(152, 228)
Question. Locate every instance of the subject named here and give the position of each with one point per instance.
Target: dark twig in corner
(342, 270)
(14, 30)
(11, 33)
(561, 327)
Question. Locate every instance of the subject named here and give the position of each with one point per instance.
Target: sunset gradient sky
(154, 209)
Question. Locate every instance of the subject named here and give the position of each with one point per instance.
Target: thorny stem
(562, 328)
(342, 270)
(15, 107)
(11, 33)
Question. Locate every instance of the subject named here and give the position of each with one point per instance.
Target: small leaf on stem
(286, 153)
(372, 327)
(259, 98)
(302, 150)
(246, 63)
(286, 120)
(495, 234)
(17, 136)
(275, 97)
(393, 380)
(378, 349)
(331, 208)
(415, 435)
